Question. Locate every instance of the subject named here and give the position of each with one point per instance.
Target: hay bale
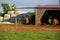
(6, 16)
(10, 12)
(1, 19)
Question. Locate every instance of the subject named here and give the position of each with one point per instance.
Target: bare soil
(21, 27)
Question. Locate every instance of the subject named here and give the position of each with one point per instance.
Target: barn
(52, 10)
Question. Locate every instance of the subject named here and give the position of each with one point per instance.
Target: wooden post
(39, 14)
(15, 19)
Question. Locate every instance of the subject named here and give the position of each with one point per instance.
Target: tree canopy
(0, 14)
(6, 7)
(31, 13)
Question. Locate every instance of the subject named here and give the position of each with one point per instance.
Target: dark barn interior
(50, 14)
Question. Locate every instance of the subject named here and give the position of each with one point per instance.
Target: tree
(31, 13)
(6, 7)
(38, 5)
(13, 7)
(0, 14)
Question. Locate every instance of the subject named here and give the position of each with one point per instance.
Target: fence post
(15, 19)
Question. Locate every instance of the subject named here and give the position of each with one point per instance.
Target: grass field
(29, 35)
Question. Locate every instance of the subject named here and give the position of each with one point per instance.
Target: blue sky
(29, 3)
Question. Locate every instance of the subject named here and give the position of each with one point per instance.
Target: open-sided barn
(50, 9)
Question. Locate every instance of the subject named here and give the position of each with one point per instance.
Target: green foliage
(38, 5)
(29, 35)
(0, 14)
(32, 13)
(6, 7)
(13, 7)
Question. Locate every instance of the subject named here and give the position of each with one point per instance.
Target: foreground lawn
(29, 35)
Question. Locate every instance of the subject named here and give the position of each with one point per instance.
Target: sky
(28, 3)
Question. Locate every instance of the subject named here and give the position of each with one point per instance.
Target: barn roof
(42, 7)
(49, 7)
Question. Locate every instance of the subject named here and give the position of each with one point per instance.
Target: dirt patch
(29, 27)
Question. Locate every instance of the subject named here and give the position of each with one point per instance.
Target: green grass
(29, 35)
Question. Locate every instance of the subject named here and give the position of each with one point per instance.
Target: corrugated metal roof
(49, 7)
(42, 7)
